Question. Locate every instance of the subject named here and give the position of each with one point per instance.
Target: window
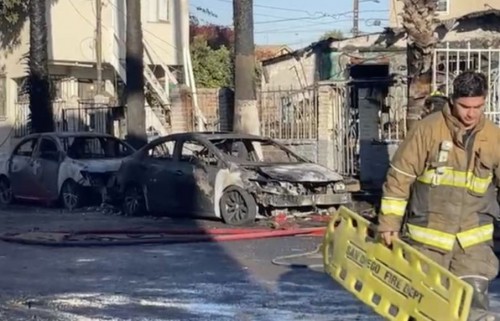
(162, 150)
(26, 148)
(92, 147)
(442, 6)
(195, 152)
(157, 10)
(47, 146)
(3, 96)
(273, 153)
(48, 149)
(235, 149)
(245, 150)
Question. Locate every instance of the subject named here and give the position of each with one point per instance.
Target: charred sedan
(70, 167)
(230, 176)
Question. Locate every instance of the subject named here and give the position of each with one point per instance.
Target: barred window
(442, 6)
(3, 96)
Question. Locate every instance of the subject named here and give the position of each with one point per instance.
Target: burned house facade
(366, 81)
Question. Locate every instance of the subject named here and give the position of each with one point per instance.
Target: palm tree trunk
(419, 23)
(246, 112)
(136, 114)
(42, 118)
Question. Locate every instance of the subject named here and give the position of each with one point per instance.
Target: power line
(305, 31)
(199, 8)
(286, 31)
(292, 29)
(309, 13)
(288, 19)
(333, 16)
(304, 26)
(368, 21)
(271, 7)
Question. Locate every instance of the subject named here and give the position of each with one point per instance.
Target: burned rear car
(70, 167)
(231, 176)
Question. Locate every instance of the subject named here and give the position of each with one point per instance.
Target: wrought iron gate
(450, 61)
(95, 119)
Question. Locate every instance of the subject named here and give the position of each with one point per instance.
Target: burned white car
(70, 167)
(225, 175)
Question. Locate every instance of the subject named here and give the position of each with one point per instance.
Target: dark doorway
(369, 71)
(370, 88)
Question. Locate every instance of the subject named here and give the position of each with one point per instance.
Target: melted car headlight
(339, 187)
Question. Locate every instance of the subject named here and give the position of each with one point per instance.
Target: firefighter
(447, 171)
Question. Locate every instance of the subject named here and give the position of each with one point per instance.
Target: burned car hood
(100, 165)
(298, 173)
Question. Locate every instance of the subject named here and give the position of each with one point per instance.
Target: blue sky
(297, 23)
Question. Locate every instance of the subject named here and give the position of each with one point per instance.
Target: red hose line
(168, 239)
(190, 231)
(172, 231)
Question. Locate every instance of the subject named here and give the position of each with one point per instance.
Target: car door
(196, 167)
(157, 172)
(23, 169)
(48, 157)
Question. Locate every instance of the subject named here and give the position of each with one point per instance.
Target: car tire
(6, 197)
(71, 195)
(134, 202)
(237, 206)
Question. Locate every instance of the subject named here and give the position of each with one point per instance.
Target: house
(367, 114)
(72, 59)
(446, 9)
(263, 52)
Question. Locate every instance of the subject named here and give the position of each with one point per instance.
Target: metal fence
(451, 61)
(345, 130)
(392, 120)
(377, 116)
(22, 117)
(289, 114)
(85, 117)
(94, 119)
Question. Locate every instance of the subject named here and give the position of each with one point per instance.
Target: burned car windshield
(82, 147)
(247, 151)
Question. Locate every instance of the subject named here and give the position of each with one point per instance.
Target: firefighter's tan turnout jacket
(448, 179)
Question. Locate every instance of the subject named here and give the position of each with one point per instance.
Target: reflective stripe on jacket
(444, 180)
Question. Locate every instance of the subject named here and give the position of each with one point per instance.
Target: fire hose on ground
(123, 237)
(168, 236)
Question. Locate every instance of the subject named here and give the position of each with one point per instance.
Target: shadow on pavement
(194, 281)
(312, 287)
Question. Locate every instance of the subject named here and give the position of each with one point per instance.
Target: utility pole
(134, 58)
(98, 46)
(355, 18)
(246, 114)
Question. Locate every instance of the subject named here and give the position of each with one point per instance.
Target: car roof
(215, 135)
(69, 134)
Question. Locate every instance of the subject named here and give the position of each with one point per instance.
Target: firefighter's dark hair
(470, 84)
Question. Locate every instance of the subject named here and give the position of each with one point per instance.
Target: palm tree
(419, 23)
(42, 119)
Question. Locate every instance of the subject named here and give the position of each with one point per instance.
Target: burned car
(68, 166)
(225, 175)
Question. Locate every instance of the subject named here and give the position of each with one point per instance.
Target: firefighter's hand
(387, 237)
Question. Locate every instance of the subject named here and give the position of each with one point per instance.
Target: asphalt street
(196, 281)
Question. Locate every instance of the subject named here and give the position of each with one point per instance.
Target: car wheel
(6, 197)
(71, 195)
(237, 206)
(134, 203)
